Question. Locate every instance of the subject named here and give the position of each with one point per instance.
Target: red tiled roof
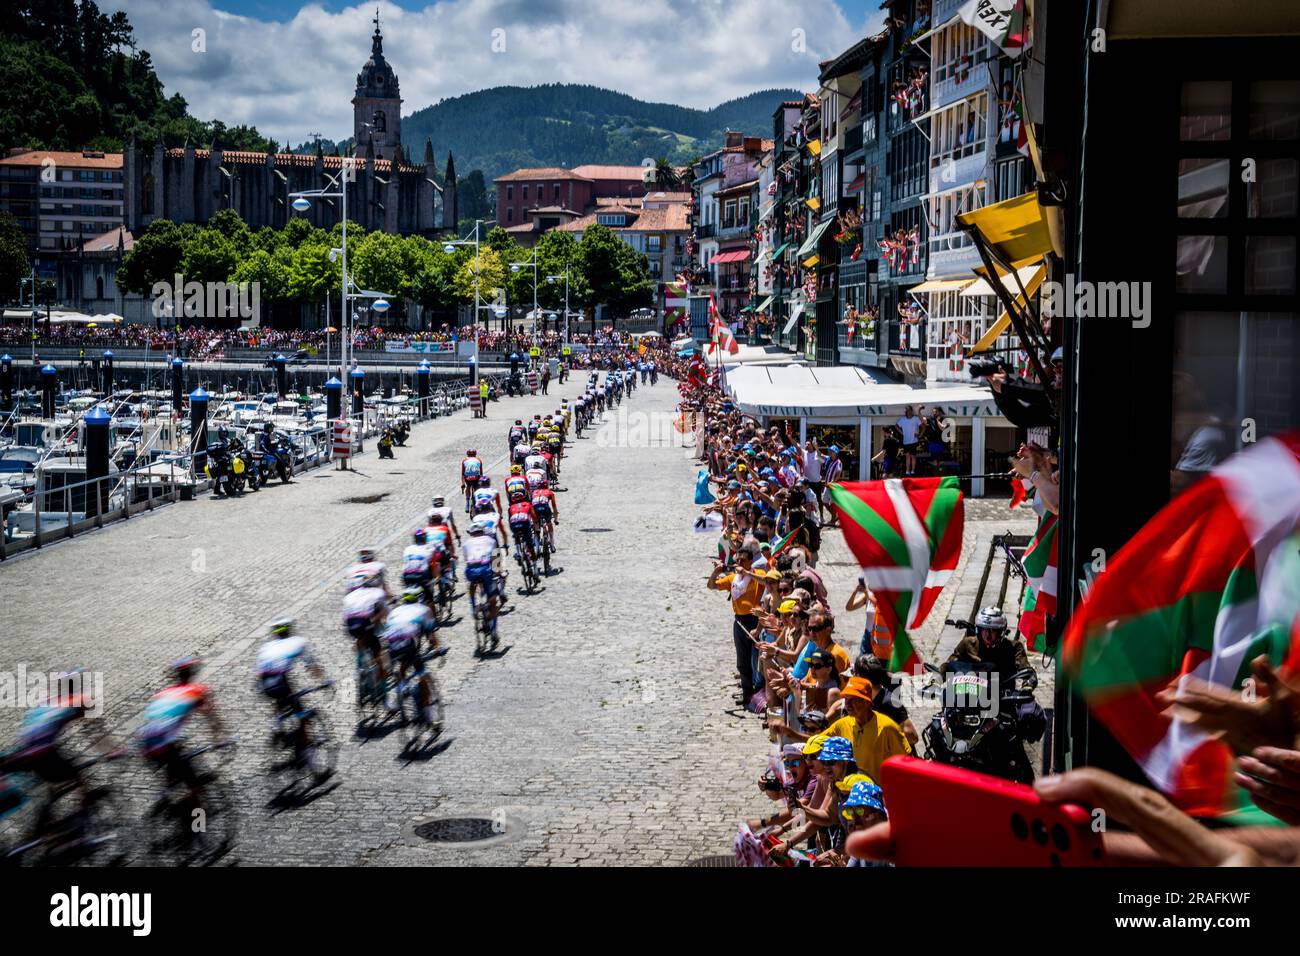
(108, 241)
(540, 172)
(596, 171)
(35, 157)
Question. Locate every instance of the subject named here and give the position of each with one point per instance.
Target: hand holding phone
(1010, 824)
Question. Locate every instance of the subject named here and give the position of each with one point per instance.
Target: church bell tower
(377, 106)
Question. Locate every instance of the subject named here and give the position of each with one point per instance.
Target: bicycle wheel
(322, 755)
(216, 830)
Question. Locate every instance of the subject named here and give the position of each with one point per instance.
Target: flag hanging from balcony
(906, 535)
(1005, 22)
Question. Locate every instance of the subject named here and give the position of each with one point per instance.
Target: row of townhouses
(837, 239)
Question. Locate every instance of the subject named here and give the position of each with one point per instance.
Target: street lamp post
(302, 202)
(515, 267)
(450, 247)
(565, 276)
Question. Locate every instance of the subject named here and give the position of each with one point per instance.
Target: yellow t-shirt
(745, 598)
(873, 741)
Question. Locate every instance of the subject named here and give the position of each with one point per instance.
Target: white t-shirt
(812, 466)
(909, 427)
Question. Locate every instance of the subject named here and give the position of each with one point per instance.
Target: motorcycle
(244, 467)
(278, 461)
(219, 469)
(974, 731)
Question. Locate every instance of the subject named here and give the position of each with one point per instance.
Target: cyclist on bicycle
(364, 612)
(523, 525)
(38, 752)
(546, 508)
(516, 485)
(536, 477)
(407, 623)
(521, 451)
(471, 474)
(534, 425)
(486, 497)
(162, 735)
(480, 572)
(516, 434)
(443, 513)
(277, 658)
(420, 568)
(368, 571)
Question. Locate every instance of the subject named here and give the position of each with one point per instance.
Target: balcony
(853, 138)
(706, 230)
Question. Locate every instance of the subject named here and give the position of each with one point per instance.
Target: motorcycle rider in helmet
(991, 644)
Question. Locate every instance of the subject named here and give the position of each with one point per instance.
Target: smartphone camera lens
(1019, 827)
(1039, 831)
(1061, 837)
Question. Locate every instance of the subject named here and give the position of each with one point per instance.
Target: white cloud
(298, 77)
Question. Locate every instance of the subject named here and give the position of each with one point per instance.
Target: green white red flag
(1040, 562)
(1005, 22)
(1211, 582)
(906, 536)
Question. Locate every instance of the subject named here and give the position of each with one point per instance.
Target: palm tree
(666, 174)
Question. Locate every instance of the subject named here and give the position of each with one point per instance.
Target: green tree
(618, 277)
(14, 263)
(272, 273)
(491, 275)
(666, 175)
(155, 257)
(313, 277)
(209, 257)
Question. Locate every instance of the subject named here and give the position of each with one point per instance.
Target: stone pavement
(597, 736)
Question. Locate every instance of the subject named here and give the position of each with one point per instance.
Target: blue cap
(836, 748)
(279, 357)
(834, 448)
(49, 370)
(866, 795)
(6, 358)
(424, 367)
(333, 382)
(108, 353)
(97, 416)
(199, 395)
(357, 373)
(177, 361)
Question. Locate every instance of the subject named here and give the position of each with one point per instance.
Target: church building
(390, 191)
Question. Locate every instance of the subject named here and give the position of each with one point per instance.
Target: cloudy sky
(290, 68)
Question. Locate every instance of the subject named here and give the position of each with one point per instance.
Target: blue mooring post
(108, 374)
(49, 384)
(281, 375)
(6, 381)
(358, 381)
(422, 387)
(97, 423)
(333, 399)
(199, 429)
(178, 385)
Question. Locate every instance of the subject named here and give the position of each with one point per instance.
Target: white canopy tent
(849, 396)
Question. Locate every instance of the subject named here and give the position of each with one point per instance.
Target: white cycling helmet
(439, 501)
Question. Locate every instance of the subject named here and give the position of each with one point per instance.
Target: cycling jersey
(478, 550)
(42, 726)
(363, 604)
(532, 428)
(439, 537)
(535, 463)
(417, 563)
(543, 499)
(491, 522)
(535, 477)
(277, 657)
(166, 713)
(520, 452)
(516, 435)
(406, 623)
(516, 488)
(440, 516)
(364, 571)
(471, 469)
(484, 497)
(521, 515)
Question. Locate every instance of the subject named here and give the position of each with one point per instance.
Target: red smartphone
(947, 816)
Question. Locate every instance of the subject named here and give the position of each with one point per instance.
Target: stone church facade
(390, 191)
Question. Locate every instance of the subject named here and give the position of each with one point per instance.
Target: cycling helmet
(185, 668)
(519, 421)
(419, 537)
(516, 470)
(544, 483)
(485, 481)
(471, 453)
(990, 624)
(366, 555)
(412, 595)
(439, 501)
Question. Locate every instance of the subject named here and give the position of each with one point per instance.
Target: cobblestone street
(598, 735)
(603, 732)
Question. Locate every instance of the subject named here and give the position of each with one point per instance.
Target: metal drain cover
(459, 830)
(594, 530)
(714, 861)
